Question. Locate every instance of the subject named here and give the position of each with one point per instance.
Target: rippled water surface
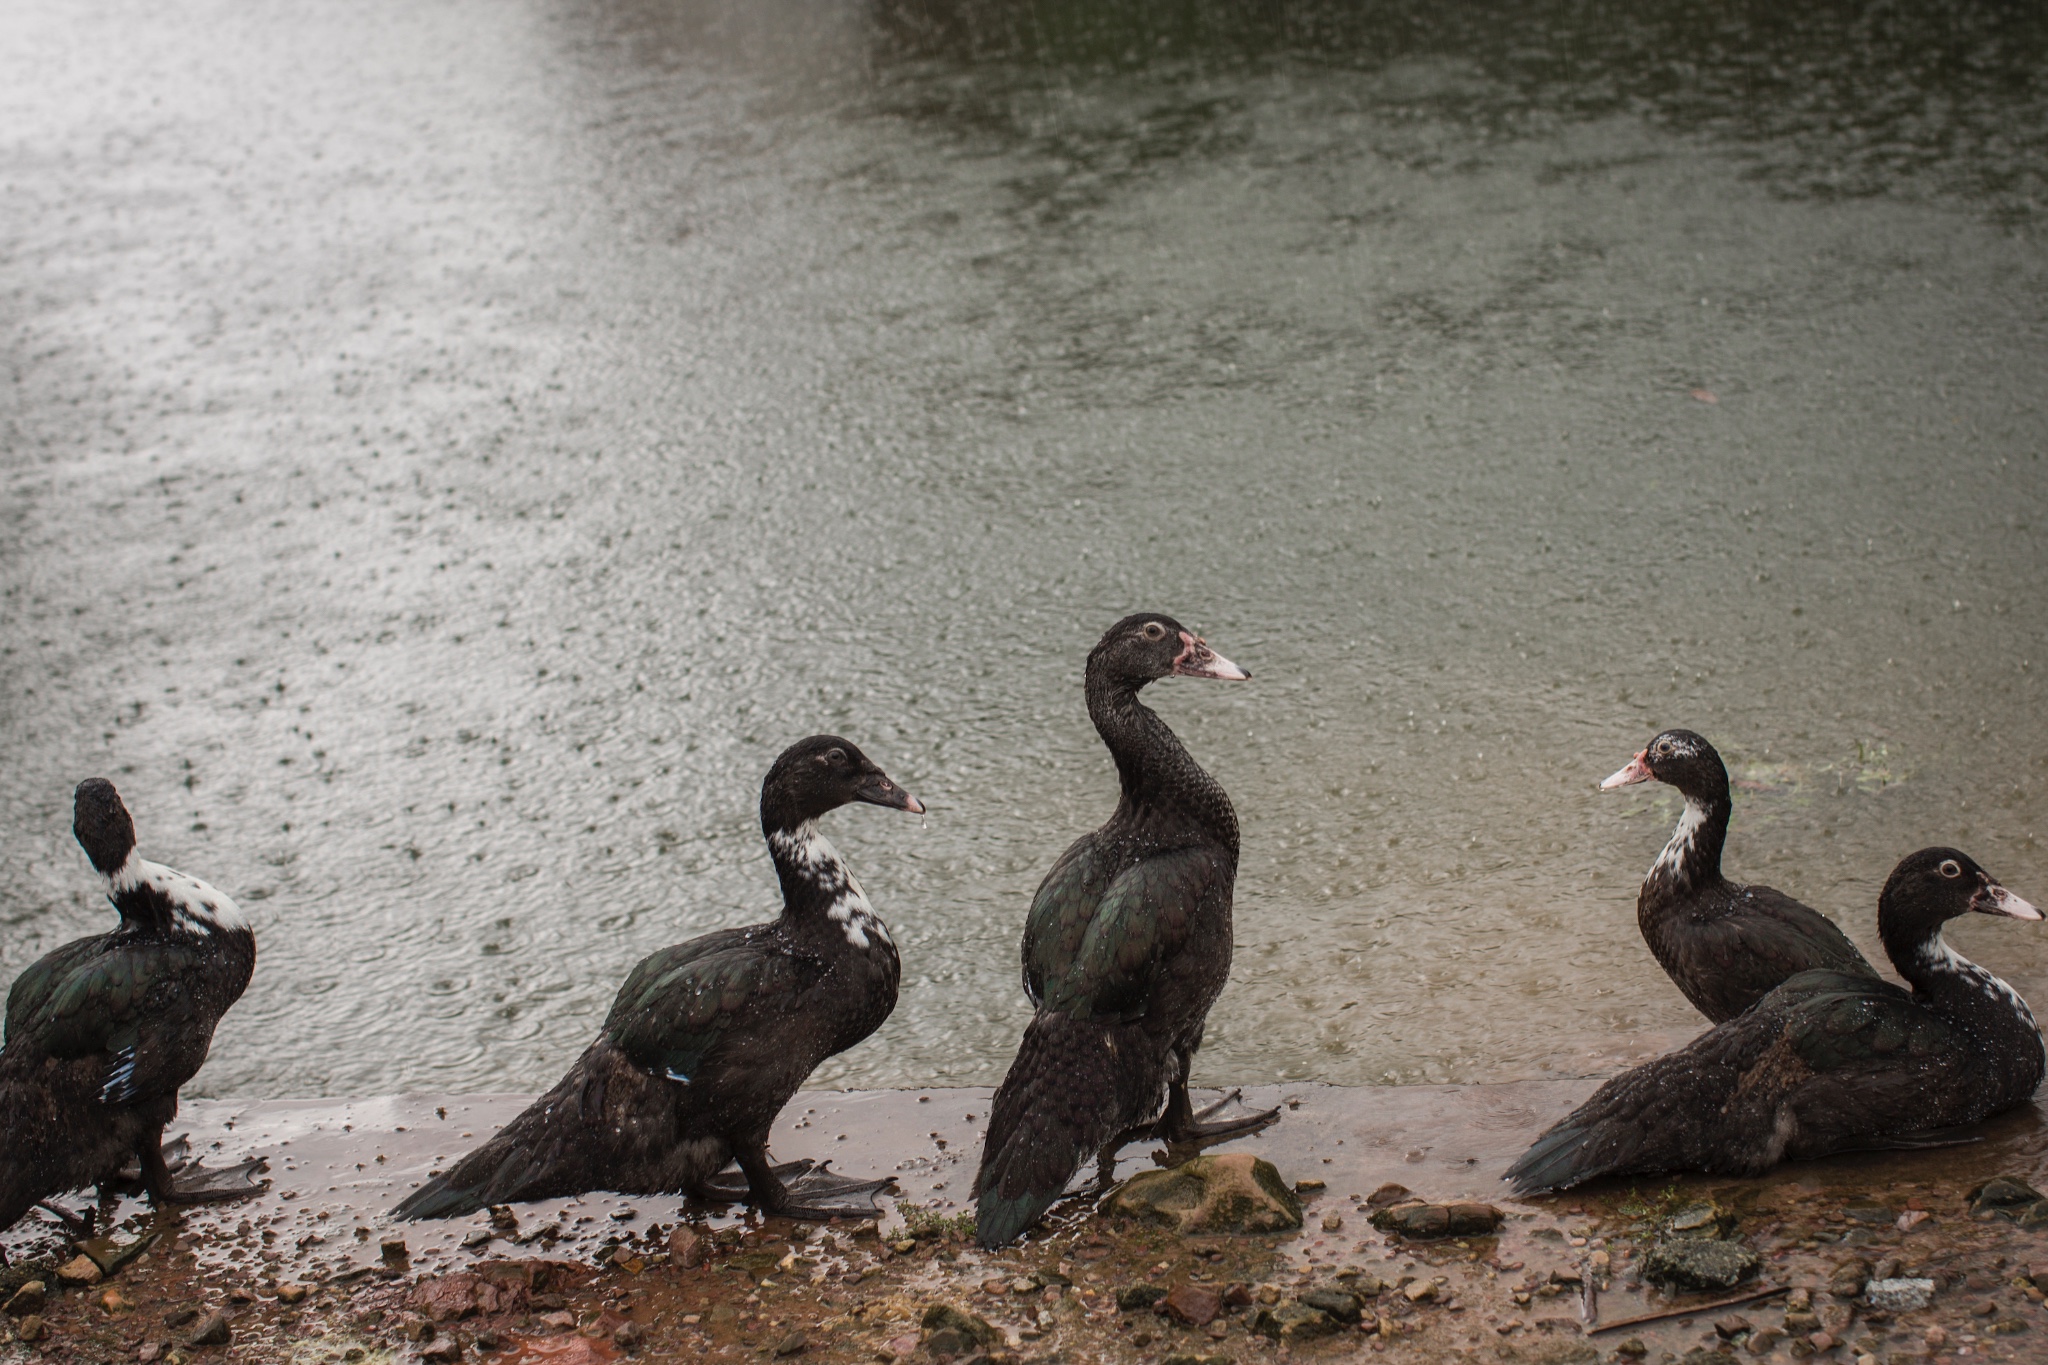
(450, 448)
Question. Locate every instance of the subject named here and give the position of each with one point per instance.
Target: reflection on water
(450, 451)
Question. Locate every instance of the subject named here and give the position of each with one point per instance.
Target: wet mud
(313, 1269)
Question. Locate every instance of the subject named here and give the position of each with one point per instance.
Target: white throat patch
(1937, 956)
(819, 862)
(1675, 853)
(196, 908)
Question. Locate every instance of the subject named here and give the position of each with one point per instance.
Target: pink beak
(1638, 770)
(1197, 660)
(1994, 899)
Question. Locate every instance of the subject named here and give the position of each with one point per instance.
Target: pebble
(211, 1331)
(27, 1299)
(30, 1328)
(79, 1271)
(790, 1345)
(291, 1293)
(1333, 1222)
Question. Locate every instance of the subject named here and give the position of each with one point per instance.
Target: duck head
(102, 825)
(1151, 645)
(1679, 758)
(823, 773)
(1936, 885)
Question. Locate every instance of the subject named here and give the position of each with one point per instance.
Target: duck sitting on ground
(707, 1040)
(1126, 947)
(102, 1032)
(1828, 1062)
(1725, 945)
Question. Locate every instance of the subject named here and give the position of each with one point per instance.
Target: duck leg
(1181, 1126)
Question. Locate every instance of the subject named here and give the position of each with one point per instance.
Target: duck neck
(1160, 779)
(1955, 987)
(1691, 861)
(818, 889)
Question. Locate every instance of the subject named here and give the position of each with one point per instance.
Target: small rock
(627, 1338)
(1633, 1348)
(1237, 1296)
(2002, 1196)
(1849, 1278)
(2007, 1327)
(1935, 1338)
(687, 1247)
(289, 1292)
(1705, 1219)
(947, 1330)
(1234, 1192)
(1734, 1325)
(1835, 1319)
(178, 1317)
(1293, 1322)
(793, 1344)
(113, 1302)
(1699, 1263)
(1420, 1220)
(148, 1351)
(1886, 1269)
(1899, 1295)
(30, 1328)
(27, 1299)
(1421, 1291)
(211, 1331)
(1138, 1297)
(904, 1247)
(394, 1252)
(1822, 1341)
(1869, 1213)
(1333, 1221)
(1763, 1339)
(1338, 1303)
(1911, 1218)
(80, 1271)
(1193, 1305)
(561, 1319)
(442, 1351)
(903, 1347)
(1386, 1194)
(1801, 1324)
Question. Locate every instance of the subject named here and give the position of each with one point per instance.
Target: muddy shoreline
(313, 1269)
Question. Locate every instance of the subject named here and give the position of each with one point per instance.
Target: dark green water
(449, 449)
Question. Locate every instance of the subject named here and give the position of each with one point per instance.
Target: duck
(102, 1032)
(1830, 1061)
(707, 1040)
(1723, 944)
(1126, 947)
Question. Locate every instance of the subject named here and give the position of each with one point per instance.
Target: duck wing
(1764, 939)
(124, 1000)
(1099, 932)
(682, 1003)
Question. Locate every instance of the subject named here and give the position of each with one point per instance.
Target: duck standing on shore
(1725, 945)
(102, 1032)
(1830, 1061)
(707, 1040)
(1126, 947)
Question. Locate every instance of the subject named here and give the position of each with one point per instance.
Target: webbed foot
(735, 1188)
(193, 1183)
(821, 1194)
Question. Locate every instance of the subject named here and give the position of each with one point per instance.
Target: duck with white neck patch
(1724, 944)
(102, 1032)
(709, 1039)
(1830, 1061)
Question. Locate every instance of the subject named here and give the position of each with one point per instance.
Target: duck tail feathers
(1061, 1102)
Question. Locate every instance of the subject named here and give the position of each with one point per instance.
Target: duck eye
(833, 756)
(1950, 868)
(1154, 631)
(1663, 748)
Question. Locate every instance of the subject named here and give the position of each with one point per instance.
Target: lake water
(449, 448)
